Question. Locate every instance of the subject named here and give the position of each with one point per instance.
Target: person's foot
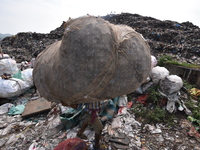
(82, 136)
(98, 147)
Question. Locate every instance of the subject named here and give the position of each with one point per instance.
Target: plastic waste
(8, 66)
(152, 129)
(169, 87)
(116, 123)
(27, 76)
(71, 144)
(14, 138)
(195, 92)
(54, 125)
(12, 87)
(158, 73)
(160, 138)
(5, 108)
(16, 110)
(153, 61)
(5, 56)
(171, 84)
(122, 101)
(2, 141)
(33, 146)
(18, 75)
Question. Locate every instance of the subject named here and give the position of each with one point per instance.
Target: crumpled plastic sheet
(5, 108)
(15, 125)
(152, 129)
(71, 133)
(16, 110)
(5, 120)
(90, 134)
(126, 122)
(116, 123)
(122, 101)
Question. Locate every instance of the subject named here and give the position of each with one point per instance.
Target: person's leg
(97, 139)
(85, 124)
(98, 127)
(83, 127)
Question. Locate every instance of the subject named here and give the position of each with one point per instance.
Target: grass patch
(183, 64)
(163, 59)
(155, 115)
(153, 111)
(194, 107)
(166, 59)
(190, 103)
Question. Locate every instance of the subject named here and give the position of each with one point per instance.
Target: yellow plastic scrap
(195, 92)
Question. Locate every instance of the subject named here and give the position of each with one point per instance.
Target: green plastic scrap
(18, 75)
(16, 110)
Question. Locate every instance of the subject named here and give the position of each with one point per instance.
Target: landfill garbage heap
(179, 39)
(94, 61)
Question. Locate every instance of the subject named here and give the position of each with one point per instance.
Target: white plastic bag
(4, 56)
(8, 65)
(171, 84)
(158, 73)
(122, 101)
(12, 87)
(27, 76)
(116, 123)
(153, 61)
(5, 108)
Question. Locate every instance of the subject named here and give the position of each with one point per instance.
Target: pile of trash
(13, 81)
(29, 121)
(181, 40)
(23, 45)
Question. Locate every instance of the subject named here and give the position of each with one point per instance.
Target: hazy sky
(42, 16)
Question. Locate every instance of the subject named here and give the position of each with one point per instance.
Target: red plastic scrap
(193, 132)
(129, 104)
(142, 99)
(72, 144)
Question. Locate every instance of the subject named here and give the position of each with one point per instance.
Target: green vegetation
(183, 64)
(154, 95)
(187, 85)
(193, 105)
(166, 59)
(153, 115)
(153, 111)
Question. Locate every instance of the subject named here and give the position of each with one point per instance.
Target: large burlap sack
(94, 61)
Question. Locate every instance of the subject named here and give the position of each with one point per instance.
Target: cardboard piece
(36, 106)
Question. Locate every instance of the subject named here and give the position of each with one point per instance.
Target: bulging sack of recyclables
(171, 84)
(94, 61)
(158, 73)
(7, 65)
(16, 86)
(12, 87)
